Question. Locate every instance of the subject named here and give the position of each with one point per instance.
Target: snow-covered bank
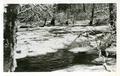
(41, 42)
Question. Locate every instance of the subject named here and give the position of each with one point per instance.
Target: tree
(52, 21)
(112, 16)
(9, 36)
(84, 9)
(35, 12)
(92, 15)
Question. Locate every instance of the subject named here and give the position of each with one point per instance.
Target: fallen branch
(106, 67)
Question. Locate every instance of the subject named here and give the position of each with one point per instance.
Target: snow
(112, 49)
(83, 68)
(40, 41)
(80, 49)
(82, 22)
(104, 28)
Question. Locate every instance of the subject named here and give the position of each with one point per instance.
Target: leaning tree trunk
(9, 36)
(92, 16)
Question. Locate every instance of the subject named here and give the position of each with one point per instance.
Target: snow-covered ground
(86, 68)
(39, 41)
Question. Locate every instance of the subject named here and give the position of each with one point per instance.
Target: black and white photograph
(60, 37)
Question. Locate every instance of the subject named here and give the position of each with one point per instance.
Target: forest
(60, 37)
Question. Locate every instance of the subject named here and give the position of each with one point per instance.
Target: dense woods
(91, 28)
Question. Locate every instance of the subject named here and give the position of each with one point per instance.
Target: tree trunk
(53, 18)
(53, 21)
(112, 16)
(84, 10)
(9, 37)
(45, 20)
(92, 16)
